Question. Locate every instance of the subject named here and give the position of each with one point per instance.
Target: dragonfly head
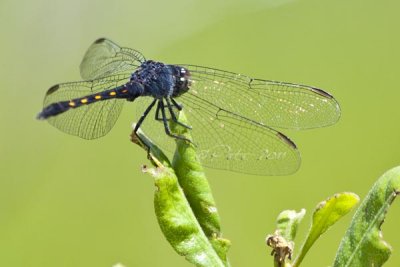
(182, 81)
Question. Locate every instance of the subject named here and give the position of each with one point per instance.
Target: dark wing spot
(100, 40)
(286, 139)
(321, 92)
(52, 89)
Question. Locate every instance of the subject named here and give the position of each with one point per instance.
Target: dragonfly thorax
(160, 80)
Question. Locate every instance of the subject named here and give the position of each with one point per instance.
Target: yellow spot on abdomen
(84, 100)
(71, 104)
(97, 97)
(113, 93)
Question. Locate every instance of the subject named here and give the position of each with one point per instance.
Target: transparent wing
(104, 58)
(231, 116)
(227, 141)
(230, 141)
(88, 121)
(272, 103)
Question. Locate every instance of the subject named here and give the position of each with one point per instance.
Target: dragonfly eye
(184, 73)
(182, 81)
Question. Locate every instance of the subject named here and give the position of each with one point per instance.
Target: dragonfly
(233, 118)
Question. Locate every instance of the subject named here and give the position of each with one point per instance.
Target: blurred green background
(71, 202)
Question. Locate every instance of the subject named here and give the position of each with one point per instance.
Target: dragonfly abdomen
(128, 91)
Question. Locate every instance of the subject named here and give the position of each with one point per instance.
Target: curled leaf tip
(154, 154)
(288, 222)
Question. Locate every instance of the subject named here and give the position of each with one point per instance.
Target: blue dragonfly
(233, 118)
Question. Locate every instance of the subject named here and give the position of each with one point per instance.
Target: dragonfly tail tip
(40, 116)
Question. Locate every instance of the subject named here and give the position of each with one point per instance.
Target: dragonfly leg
(157, 115)
(166, 127)
(140, 121)
(173, 116)
(178, 106)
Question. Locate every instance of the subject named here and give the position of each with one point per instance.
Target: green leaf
(362, 244)
(196, 188)
(178, 222)
(326, 214)
(288, 222)
(194, 182)
(192, 232)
